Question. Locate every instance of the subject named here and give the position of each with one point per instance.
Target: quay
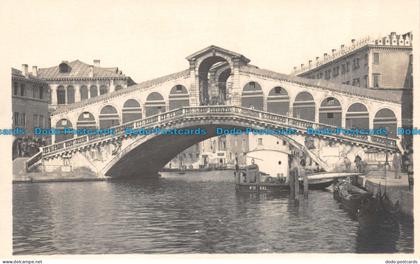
(397, 190)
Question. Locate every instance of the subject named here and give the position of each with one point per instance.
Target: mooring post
(305, 186)
(292, 183)
(296, 186)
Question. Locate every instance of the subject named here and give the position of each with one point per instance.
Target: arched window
(70, 94)
(178, 97)
(131, 111)
(155, 104)
(278, 101)
(84, 93)
(304, 106)
(61, 95)
(357, 116)
(330, 112)
(118, 87)
(252, 96)
(93, 91)
(103, 89)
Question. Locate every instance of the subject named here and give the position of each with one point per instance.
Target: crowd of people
(27, 146)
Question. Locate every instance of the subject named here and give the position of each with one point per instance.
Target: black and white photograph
(209, 127)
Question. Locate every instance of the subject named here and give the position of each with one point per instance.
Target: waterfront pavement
(396, 189)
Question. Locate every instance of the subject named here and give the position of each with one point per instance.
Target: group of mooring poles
(296, 172)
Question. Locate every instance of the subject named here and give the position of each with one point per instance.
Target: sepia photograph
(209, 127)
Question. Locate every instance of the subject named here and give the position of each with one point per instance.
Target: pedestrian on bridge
(396, 163)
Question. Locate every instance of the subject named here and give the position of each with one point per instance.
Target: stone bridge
(220, 88)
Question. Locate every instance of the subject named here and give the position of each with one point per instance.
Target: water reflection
(197, 212)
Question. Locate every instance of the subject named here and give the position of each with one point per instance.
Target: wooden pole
(305, 186)
(297, 186)
(292, 183)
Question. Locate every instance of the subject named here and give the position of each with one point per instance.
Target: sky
(148, 39)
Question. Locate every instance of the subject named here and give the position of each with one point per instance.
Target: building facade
(30, 110)
(71, 82)
(217, 153)
(384, 63)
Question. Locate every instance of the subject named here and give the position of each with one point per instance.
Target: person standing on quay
(396, 163)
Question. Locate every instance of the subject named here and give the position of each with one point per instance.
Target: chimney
(301, 66)
(294, 68)
(342, 46)
(25, 69)
(333, 51)
(97, 63)
(35, 71)
(90, 70)
(325, 55)
(393, 33)
(310, 63)
(353, 41)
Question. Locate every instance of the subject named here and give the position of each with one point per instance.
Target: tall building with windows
(29, 108)
(382, 63)
(74, 81)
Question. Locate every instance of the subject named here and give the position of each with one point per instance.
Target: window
(61, 95)
(179, 88)
(347, 66)
(356, 63)
(376, 80)
(23, 120)
(356, 82)
(327, 74)
(252, 85)
(41, 121)
(103, 89)
(41, 92)
(15, 88)
(330, 101)
(365, 81)
(336, 71)
(260, 141)
(16, 118)
(22, 89)
(330, 115)
(411, 59)
(366, 59)
(35, 121)
(343, 68)
(64, 68)
(277, 90)
(375, 58)
(35, 92)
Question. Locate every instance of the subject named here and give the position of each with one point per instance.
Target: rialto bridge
(220, 88)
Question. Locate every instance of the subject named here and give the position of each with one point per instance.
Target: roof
(335, 87)
(139, 86)
(18, 74)
(79, 69)
(222, 50)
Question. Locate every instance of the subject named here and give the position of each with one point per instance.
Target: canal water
(190, 213)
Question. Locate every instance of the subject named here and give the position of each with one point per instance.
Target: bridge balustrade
(192, 111)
